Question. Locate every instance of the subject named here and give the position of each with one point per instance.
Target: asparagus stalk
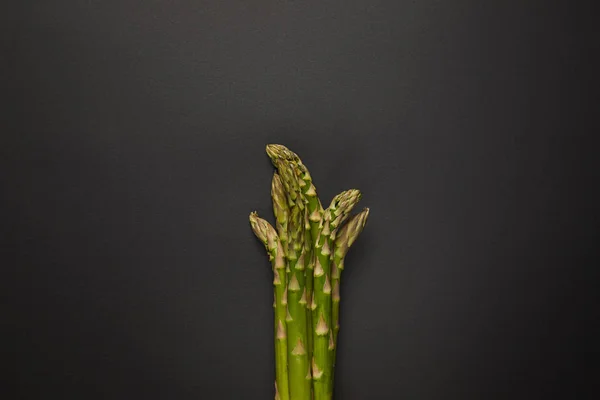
(346, 236)
(300, 387)
(340, 209)
(268, 236)
(320, 284)
(292, 170)
(321, 312)
(312, 218)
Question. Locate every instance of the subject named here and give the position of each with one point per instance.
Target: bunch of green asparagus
(306, 248)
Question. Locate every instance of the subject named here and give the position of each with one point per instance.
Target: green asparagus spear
(320, 284)
(321, 308)
(340, 209)
(292, 170)
(268, 236)
(322, 301)
(346, 236)
(300, 387)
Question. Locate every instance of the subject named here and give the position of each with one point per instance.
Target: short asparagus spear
(267, 235)
(346, 236)
(340, 209)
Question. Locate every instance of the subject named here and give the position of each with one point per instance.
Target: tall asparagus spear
(346, 236)
(300, 387)
(267, 235)
(321, 286)
(292, 170)
(312, 215)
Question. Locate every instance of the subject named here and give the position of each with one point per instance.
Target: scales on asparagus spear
(307, 250)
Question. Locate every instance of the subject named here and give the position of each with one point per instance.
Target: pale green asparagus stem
(321, 313)
(266, 233)
(340, 209)
(300, 384)
(345, 237)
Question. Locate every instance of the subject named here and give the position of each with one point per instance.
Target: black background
(133, 151)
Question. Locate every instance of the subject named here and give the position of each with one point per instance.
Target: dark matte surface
(133, 151)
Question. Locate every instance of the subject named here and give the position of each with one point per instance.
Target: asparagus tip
(279, 152)
(257, 227)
